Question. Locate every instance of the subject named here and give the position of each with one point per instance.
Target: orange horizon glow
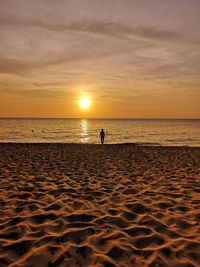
(66, 108)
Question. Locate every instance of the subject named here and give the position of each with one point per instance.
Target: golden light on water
(84, 103)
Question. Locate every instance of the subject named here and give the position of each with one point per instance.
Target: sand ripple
(91, 205)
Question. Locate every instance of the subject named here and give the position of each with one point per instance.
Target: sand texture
(99, 205)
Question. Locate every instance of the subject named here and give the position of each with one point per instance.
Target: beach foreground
(94, 205)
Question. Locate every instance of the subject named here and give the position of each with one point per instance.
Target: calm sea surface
(144, 132)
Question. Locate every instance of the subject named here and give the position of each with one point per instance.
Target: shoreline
(98, 144)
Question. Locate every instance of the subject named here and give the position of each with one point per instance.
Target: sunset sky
(130, 58)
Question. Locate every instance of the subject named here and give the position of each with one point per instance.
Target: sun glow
(84, 103)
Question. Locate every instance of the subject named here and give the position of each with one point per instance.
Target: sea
(157, 132)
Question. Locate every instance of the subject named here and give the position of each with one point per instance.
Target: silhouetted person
(102, 136)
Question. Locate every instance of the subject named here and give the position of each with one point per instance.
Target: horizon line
(101, 118)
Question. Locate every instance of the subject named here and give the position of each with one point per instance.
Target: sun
(84, 103)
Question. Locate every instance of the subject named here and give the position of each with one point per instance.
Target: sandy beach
(99, 205)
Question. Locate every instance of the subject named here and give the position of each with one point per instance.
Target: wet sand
(94, 205)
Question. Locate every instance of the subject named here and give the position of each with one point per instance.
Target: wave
(182, 140)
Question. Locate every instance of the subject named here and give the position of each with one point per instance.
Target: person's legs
(102, 140)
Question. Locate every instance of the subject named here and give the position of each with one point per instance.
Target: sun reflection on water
(84, 131)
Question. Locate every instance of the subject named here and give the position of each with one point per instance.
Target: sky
(130, 58)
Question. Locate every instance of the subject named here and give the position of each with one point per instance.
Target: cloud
(108, 28)
(33, 93)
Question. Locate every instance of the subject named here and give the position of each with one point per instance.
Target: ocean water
(140, 131)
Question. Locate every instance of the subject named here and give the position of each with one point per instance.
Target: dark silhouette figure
(102, 136)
